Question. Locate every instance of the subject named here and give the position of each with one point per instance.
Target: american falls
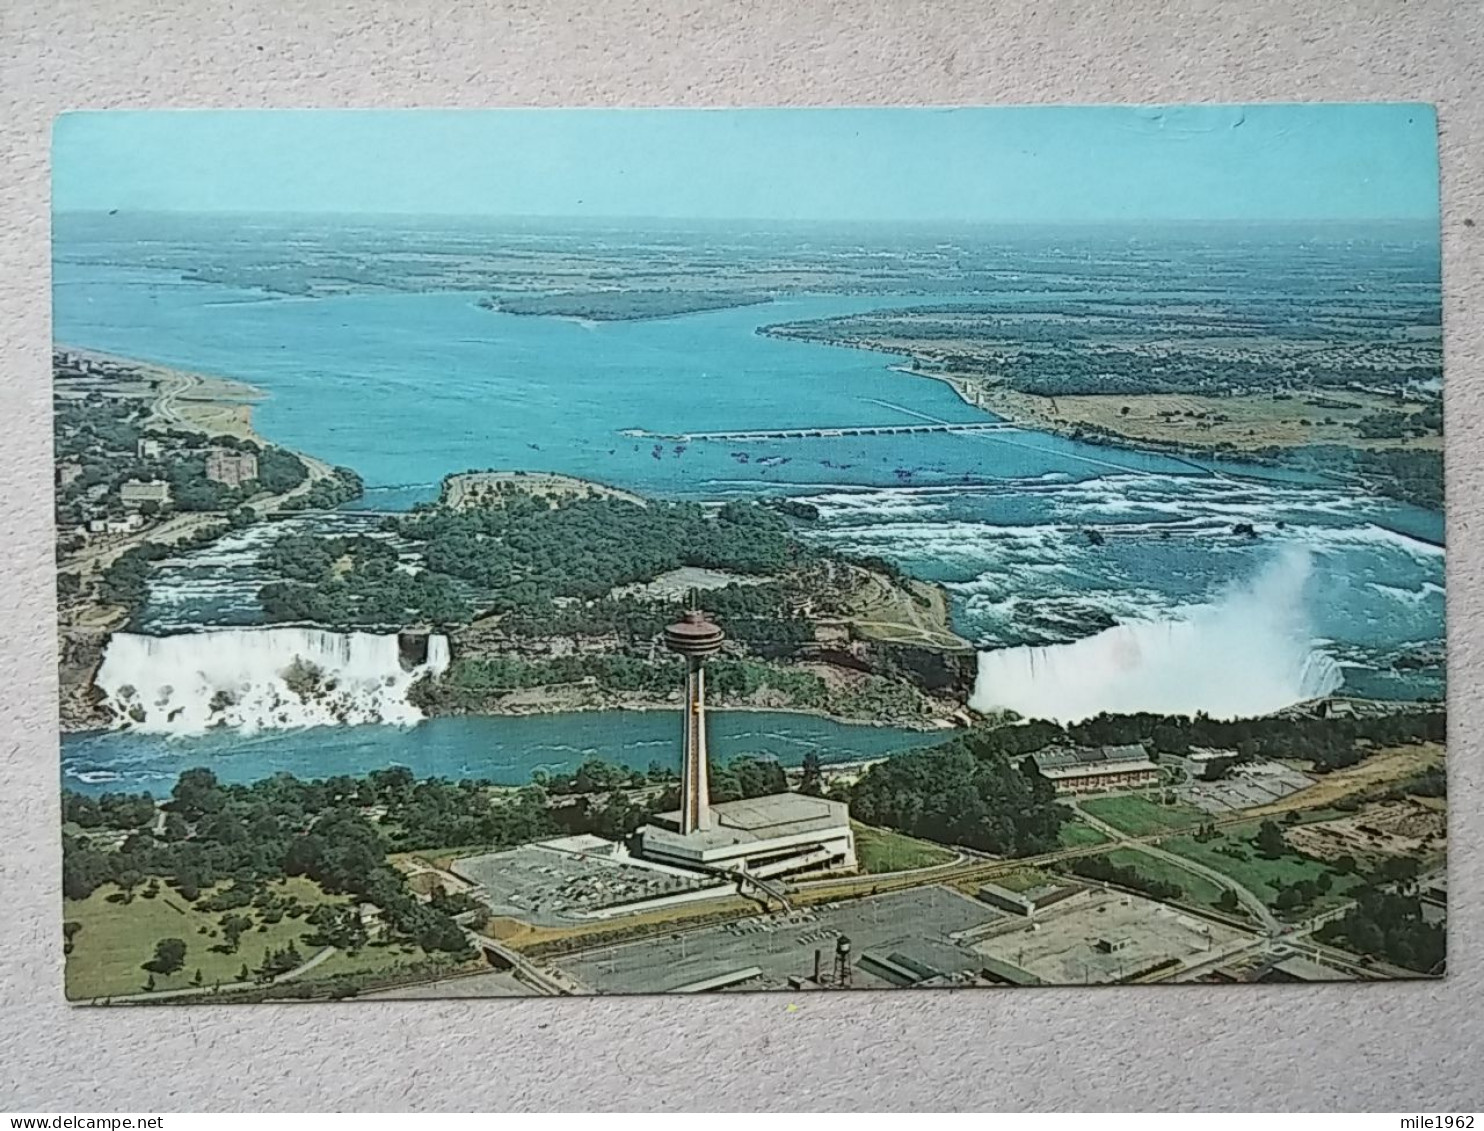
(255, 678)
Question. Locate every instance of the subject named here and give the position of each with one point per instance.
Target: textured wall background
(1384, 1047)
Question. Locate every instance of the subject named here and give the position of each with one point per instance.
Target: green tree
(169, 956)
(812, 781)
(1270, 840)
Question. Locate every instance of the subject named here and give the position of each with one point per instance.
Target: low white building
(126, 525)
(136, 492)
(1028, 903)
(776, 835)
(1096, 769)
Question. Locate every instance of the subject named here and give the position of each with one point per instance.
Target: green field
(1313, 816)
(1257, 874)
(1076, 834)
(1198, 889)
(372, 957)
(879, 850)
(1024, 880)
(116, 938)
(1138, 816)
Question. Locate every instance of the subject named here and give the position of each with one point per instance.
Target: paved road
(1245, 895)
(976, 867)
(199, 991)
(544, 981)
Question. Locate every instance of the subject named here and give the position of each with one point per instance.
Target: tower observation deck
(759, 839)
(695, 638)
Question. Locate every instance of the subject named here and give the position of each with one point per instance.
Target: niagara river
(1092, 577)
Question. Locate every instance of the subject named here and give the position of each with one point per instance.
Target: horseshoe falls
(1250, 652)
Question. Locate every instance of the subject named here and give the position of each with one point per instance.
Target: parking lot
(549, 885)
(1258, 783)
(917, 923)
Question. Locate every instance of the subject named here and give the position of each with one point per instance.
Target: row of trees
(756, 616)
(967, 791)
(469, 683)
(1103, 870)
(1390, 925)
(372, 592)
(525, 546)
(253, 834)
(1426, 421)
(1330, 743)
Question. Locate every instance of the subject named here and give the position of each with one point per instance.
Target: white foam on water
(251, 679)
(1248, 653)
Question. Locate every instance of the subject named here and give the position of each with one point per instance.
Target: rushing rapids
(1248, 653)
(253, 679)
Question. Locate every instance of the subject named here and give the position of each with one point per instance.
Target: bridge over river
(816, 433)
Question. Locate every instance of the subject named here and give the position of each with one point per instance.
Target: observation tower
(695, 638)
(751, 840)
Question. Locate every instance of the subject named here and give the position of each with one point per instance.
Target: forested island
(557, 601)
(622, 305)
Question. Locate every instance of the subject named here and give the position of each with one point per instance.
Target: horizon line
(1411, 218)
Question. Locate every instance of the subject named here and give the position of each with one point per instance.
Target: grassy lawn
(1076, 834)
(117, 937)
(1313, 816)
(879, 850)
(1139, 816)
(913, 613)
(1259, 875)
(1024, 880)
(442, 857)
(1198, 889)
(368, 958)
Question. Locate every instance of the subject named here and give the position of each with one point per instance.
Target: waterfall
(1248, 653)
(260, 678)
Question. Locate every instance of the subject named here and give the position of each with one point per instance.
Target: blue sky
(1053, 164)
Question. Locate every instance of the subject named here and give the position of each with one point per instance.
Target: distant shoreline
(939, 726)
(184, 398)
(712, 707)
(594, 307)
(1036, 413)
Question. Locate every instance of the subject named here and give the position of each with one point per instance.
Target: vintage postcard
(605, 552)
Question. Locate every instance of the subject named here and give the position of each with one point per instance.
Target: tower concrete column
(695, 786)
(694, 638)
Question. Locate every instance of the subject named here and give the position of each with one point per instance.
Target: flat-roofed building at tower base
(778, 835)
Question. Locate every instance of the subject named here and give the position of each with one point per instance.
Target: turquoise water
(501, 750)
(408, 387)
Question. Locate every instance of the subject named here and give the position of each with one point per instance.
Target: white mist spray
(1248, 653)
(255, 678)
